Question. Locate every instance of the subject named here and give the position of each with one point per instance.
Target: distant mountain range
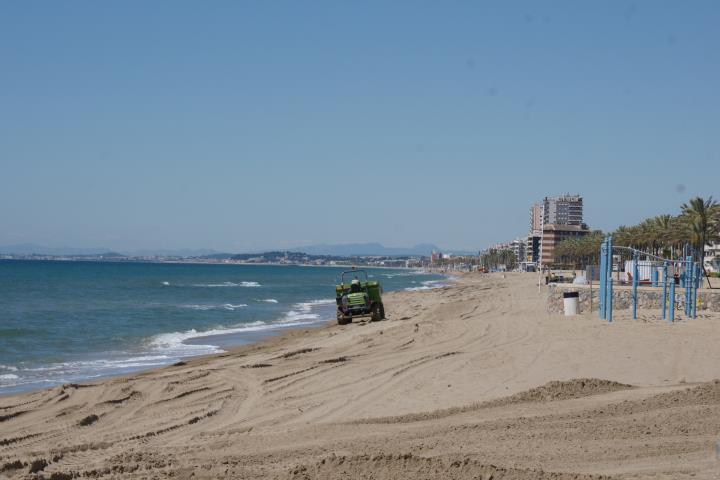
(31, 248)
(363, 249)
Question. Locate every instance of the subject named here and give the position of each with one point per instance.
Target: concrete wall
(648, 298)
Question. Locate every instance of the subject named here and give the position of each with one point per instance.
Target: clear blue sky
(245, 125)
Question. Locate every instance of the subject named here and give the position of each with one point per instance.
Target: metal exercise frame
(687, 271)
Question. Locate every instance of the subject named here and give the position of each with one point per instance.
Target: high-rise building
(552, 221)
(563, 210)
(517, 246)
(536, 218)
(532, 247)
(532, 242)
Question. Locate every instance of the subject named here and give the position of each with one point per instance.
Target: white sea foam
(304, 310)
(312, 303)
(199, 307)
(8, 367)
(145, 358)
(224, 306)
(293, 315)
(104, 364)
(227, 284)
(166, 283)
(173, 343)
(8, 376)
(428, 285)
(230, 306)
(407, 273)
(269, 300)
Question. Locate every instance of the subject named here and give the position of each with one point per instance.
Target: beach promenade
(471, 381)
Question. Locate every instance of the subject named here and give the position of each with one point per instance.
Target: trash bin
(571, 301)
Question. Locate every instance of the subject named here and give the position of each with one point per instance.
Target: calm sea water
(71, 321)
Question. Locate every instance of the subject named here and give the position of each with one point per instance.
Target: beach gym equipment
(648, 271)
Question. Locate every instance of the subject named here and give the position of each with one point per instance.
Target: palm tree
(701, 216)
(580, 251)
(622, 235)
(664, 228)
(649, 235)
(680, 234)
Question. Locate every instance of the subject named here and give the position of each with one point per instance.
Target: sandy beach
(472, 381)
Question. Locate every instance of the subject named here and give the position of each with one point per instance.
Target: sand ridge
(469, 381)
(551, 391)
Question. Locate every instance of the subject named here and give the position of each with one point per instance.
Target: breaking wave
(224, 306)
(428, 285)
(308, 310)
(227, 284)
(406, 273)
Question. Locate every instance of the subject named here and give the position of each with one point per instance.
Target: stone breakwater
(648, 298)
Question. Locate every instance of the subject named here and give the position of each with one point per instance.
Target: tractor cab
(356, 296)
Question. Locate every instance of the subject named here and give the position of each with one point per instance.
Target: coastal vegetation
(493, 258)
(697, 225)
(580, 251)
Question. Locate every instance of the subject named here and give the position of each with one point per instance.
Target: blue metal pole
(664, 293)
(693, 306)
(654, 275)
(692, 290)
(688, 284)
(684, 259)
(603, 278)
(672, 302)
(683, 279)
(609, 306)
(608, 286)
(635, 282)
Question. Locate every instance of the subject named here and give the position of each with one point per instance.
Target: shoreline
(261, 336)
(265, 339)
(461, 381)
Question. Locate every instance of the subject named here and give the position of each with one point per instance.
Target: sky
(239, 126)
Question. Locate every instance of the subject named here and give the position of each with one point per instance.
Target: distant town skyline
(242, 127)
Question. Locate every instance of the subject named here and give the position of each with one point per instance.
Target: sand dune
(470, 381)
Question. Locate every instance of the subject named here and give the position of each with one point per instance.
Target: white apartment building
(563, 210)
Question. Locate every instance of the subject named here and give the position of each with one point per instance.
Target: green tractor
(358, 299)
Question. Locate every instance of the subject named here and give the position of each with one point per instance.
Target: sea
(64, 322)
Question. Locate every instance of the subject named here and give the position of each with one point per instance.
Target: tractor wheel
(375, 312)
(342, 319)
